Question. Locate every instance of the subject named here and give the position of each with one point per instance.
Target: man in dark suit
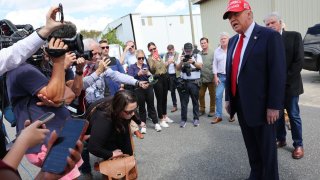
(255, 86)
(294, 87)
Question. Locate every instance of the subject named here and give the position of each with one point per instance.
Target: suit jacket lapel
(252, 41)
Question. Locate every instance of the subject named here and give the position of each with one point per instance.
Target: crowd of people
(258, 69)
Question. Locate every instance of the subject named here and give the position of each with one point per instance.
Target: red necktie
(87, 71)
(235, 65)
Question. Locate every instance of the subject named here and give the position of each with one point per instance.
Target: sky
(89, 14)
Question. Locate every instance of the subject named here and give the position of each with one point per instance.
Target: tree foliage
(111, 36)
(90, 34)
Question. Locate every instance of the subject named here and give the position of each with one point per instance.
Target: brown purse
(121, 167)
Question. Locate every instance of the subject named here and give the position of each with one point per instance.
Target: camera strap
(55, 52)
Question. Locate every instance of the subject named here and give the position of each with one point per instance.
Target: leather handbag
(121, 167)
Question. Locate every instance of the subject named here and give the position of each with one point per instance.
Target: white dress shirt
(245, 43)
(219, 61)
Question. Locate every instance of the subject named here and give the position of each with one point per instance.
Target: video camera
(10, 34)
(186, 68)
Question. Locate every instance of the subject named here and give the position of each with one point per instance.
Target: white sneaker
(143, 130)
(164, 124)
(157, 127)
(168, 120)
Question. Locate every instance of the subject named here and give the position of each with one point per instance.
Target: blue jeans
(192, 90)
(292, 107)
(219, 94)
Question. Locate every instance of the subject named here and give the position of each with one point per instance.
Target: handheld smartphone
(61, 16)
(56, 159)
(46, 117)
(156, 54)
(113, 61)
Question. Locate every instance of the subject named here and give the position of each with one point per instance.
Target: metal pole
(191, 22)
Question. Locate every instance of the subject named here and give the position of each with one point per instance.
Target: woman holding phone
(110, 133)
(140, 71)
(159, 70)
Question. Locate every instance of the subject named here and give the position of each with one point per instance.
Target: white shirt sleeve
(215, 62)
(120, 77)
(11, 57)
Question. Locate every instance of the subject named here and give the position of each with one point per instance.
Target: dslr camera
(186, 68)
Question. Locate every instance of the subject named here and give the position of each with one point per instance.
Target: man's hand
(70, 58)
(51, 23)
(57, 44)
(217, 81)
(81, 62)
(103, 65)
(44, 101)
(227, 107)
(272, 115)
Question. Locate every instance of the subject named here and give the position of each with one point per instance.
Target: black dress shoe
(281, 144)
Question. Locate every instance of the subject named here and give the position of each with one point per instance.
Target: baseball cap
(188, 47)
(236, 6)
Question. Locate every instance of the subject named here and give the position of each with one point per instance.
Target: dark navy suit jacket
(261, 80)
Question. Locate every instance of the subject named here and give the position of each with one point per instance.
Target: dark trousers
(161, 92)
(292, 107)
(261, 148)
(172, 79)
(145, 96)
(192, 90)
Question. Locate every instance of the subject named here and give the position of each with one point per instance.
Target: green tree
(90, 34)
(111, 36)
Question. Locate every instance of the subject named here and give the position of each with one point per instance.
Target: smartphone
(156, 54)
(61, 16)
(46, 117)
(113, 61)
(56, 159)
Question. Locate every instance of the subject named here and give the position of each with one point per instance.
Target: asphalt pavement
(217, 151)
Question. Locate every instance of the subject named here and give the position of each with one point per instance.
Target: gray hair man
(294, 88)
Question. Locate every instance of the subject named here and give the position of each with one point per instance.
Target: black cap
(188, 47)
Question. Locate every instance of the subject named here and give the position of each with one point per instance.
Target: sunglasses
(152, 49)
(130, 112)
(105, 47)
(140, 58)
(132, 46)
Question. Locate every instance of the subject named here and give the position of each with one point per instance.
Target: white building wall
(166, 30)
(298, 15)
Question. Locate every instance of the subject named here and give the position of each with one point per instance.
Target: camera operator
(26, 82)
(190, 65)
(16, 54)
(11, 57)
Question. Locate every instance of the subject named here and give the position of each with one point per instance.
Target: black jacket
(294, 59)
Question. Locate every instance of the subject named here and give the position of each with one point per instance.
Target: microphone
(68, 30)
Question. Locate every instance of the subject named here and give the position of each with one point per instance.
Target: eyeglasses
(105, 47)
(140, 58)
(152, 49)
(130, 112)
